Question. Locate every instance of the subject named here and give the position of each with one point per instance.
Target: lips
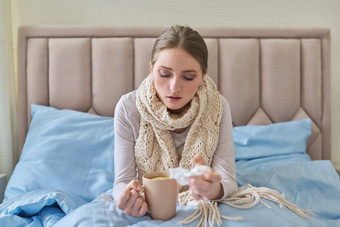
(174, 98)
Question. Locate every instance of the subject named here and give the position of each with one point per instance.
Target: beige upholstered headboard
(267, 74)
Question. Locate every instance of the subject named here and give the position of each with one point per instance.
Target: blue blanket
(312, 185)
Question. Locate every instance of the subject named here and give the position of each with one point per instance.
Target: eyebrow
(184, 71)
(189, 71)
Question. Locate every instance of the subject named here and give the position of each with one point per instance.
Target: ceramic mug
(161, 195)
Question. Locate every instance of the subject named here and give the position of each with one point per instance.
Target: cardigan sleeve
(224, 158)
(124, 160)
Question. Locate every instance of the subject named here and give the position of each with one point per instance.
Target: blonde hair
(185, 38)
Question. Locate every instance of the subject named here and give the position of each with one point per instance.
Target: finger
(143, 209)
(121, 203)
(125, 196)
(194, 194)
(200, 181)
(136, 206)
(212, 177)
(129, 204)
(197, 190)
(202, 188)
(198, 196)
(134, 184)
(198, 159)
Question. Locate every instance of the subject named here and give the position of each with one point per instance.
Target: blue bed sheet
(38, 208)
(312, 185)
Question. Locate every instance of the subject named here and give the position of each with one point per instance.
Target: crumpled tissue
(182, 175)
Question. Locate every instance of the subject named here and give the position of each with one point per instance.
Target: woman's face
(176, 75)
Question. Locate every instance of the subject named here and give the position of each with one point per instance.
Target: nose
(175, 85)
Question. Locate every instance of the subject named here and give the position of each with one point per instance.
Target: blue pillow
(257, 141)
(67, 151)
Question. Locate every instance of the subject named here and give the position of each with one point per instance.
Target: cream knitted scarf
(155, 149)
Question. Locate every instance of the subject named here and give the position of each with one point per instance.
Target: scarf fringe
(245, 198)
(209, 213)
(105, 197)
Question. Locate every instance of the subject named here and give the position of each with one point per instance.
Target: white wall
(259, 13)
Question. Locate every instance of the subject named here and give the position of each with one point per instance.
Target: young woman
(175, 118)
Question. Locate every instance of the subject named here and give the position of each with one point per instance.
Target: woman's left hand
(207, 186)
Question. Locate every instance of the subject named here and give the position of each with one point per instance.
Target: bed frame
(268, 75)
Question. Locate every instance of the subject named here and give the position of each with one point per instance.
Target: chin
(176, 109)
(171, 108)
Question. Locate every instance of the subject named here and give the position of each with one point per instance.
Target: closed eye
(164, 73)
(189, 77)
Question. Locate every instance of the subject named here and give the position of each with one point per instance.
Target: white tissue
(182, 175)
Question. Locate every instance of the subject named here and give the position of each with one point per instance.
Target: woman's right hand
(131, 202)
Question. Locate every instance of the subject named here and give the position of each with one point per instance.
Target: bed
(277, 82)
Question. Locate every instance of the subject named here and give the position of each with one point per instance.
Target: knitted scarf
(155, 149)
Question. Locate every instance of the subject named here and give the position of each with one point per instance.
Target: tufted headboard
(267, 74)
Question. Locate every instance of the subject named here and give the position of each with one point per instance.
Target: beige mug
(161, 195)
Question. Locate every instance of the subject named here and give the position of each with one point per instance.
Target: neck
(179, 111)
(179, 130)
